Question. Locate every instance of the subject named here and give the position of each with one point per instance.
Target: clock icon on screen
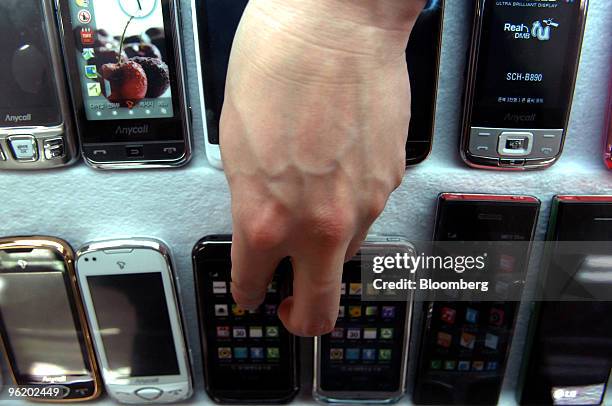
(138, 8)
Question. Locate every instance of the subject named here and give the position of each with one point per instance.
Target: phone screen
(249, 355)
(29, 96)
(138, 340)
(464, 345)
(40, 331)
(571, 352)
(365, 351)
(133, 82)
(39, 324)
(526, 64)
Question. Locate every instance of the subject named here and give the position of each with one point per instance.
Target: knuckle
(260, 235)
(262, 229)
(333, 225)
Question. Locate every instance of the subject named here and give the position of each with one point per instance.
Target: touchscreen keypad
(364, 351)
(469, 336)
(245, 338)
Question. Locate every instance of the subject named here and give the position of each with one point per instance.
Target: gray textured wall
(180, 206)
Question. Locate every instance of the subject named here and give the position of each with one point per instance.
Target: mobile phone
(464, 344)
(133, 309)
(364, 359)
(36, 123)
(125, 67)
(569, 357)
(423, 58)
(522, 69)
(214, 26)
(43, 327)
(608, 133)
(249, 356)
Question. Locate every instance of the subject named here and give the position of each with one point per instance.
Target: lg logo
(564, 394)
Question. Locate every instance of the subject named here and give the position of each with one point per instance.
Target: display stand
(180, 206)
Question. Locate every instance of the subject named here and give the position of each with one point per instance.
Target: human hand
(313, 134)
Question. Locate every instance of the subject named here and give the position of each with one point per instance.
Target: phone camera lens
(86, 259)
(94, 259)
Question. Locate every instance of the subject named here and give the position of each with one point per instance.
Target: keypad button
(483, 142)
(515, 143)
(149, 393)
(24, 147)
(134, 151)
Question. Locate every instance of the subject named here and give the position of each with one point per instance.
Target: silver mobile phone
(364, 359)
(132, 306)
(522, 68)
(36, 122)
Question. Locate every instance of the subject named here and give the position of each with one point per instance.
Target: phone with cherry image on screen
(126, 76)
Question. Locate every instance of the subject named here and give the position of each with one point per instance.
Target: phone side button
(149, 393)
(2, 156)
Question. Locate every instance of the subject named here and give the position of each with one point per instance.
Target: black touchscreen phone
(249, 356)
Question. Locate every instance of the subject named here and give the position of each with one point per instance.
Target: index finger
(252, 271)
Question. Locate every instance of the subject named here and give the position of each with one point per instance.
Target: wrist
(379, 28)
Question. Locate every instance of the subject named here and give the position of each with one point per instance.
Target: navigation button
(100, 152)
(149, 393)
(170, 150)
(24, 147)
(482, 148)
(54, 148)
(514, 143)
